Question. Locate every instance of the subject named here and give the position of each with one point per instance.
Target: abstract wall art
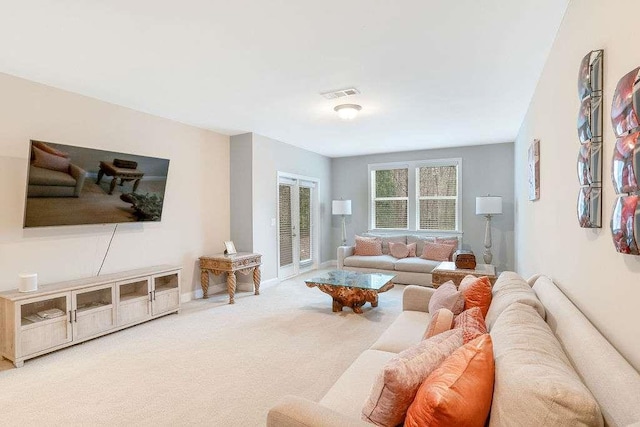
(589, 125)
(534, 170)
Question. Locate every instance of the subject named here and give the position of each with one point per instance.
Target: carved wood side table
(242, 262)
(124, 174)
(447, 271)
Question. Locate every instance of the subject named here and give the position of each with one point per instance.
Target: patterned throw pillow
(477, 293)
(368, 246)
(449, 241)
(398, 250)
(459, 391)
(397, 383)
(441, 321)
(472, 324)
(447, 296)
(437, 251)
(44, 160)
(412, 249)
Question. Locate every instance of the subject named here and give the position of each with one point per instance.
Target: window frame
(413, 202)
(372, 193)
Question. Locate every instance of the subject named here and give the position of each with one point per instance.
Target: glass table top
(352, 279)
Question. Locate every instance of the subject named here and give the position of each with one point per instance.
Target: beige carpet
(213, 364)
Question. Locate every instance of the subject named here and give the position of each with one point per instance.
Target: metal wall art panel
(626, 100)
(590, 163)
(589, 123)
(589, 207)
(626, 161)
(624, 224)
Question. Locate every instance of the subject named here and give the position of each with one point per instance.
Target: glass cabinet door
(93, 311)
(44, 323)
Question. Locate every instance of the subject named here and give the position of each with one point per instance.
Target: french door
(297, 225)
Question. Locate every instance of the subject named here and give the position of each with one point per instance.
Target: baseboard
(332, 263)
(222, 287)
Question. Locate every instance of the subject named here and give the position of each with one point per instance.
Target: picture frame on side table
(229, 248)
(534, 170)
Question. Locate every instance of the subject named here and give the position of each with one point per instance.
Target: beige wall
(195, 219)
(605, 285)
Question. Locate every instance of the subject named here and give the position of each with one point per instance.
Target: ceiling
(431, 73)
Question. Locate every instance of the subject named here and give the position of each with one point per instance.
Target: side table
(124, 174)
(243, 262)
(447, 271)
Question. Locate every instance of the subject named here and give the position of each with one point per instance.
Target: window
(438, 197)
(421, 195)
(390, 198)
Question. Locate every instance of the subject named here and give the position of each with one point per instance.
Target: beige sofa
(408, 271)
(612, 381)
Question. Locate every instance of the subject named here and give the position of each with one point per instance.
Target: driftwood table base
(354, 298)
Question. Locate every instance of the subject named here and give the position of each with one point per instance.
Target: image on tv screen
(68, 185)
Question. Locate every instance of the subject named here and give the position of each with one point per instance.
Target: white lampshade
(341, 207)
(347, 111)
(489, 205)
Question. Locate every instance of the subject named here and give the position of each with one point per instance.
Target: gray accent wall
(263, 158)
(242, 192)
(486, 169)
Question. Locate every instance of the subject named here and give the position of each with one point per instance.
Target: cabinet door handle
(150, 296)
(70, 317)
(75, 316)
(154, 294)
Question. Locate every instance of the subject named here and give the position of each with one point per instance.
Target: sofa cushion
(437, 251)
(472, 324)
(385, 239)
(459, 391)
(415, 265)
(351, 390)
(41, 176)
(398, 381)
(441, 321)
(368, 246)
(382, 262)
(404, 332)
(534, 379)
(476, 292)
(447, 296)
(45, 160)
(49, 149)
(510, 288)
(420, 241)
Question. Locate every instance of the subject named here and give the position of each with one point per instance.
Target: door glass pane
(305, 224)
(286, 236)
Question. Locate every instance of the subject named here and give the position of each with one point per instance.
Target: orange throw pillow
(459, 391)
(369, 246)
(472, 324)
(477, 293)
(441, 321)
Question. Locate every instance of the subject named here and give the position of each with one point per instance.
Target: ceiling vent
(340, 93)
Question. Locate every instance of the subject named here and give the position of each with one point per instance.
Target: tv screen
(69, 185)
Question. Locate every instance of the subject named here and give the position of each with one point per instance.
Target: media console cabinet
(66, 313)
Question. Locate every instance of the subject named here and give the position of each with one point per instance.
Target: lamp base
(487, 255)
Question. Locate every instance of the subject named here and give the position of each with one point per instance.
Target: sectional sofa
(408, 271)
(527, 320)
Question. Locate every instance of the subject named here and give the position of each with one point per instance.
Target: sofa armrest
(79, 175)
(294, 411)
(343, 252)
(416, 298)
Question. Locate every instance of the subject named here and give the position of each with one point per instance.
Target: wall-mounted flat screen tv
(68, 185)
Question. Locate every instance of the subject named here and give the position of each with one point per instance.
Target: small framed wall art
(534, 170)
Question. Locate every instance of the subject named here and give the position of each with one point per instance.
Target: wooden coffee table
(447, 271)
(352, 289)
(124, 174)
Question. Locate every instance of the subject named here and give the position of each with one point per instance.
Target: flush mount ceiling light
(347, 111)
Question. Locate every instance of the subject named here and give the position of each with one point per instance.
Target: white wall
(269, 158)
(195, 219)
(604, 284)
(486, 169)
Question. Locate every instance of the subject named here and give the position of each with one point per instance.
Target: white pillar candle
(28, 282)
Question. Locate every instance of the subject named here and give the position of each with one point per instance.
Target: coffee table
(446, 271)
(352, 289)
(124, 174)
